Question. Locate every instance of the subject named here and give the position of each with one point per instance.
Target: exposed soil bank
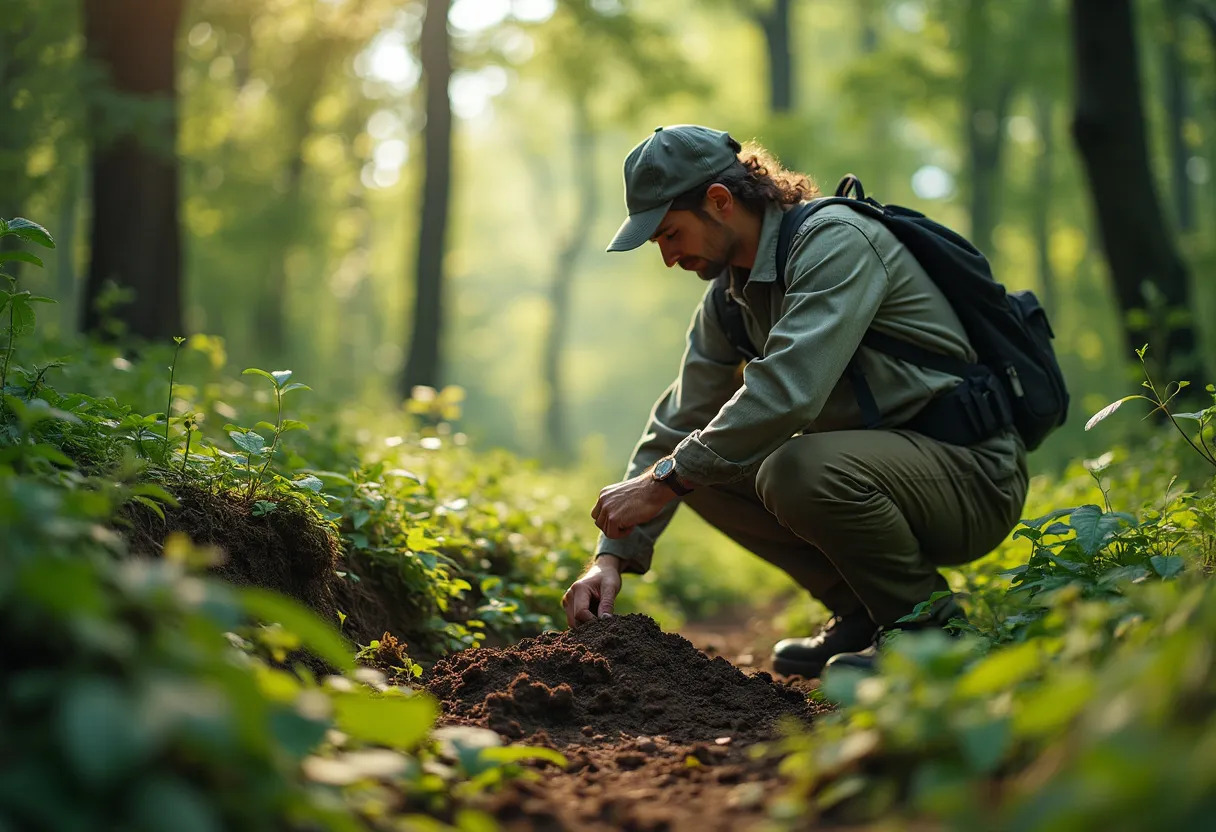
(286, 550)
(656, 732)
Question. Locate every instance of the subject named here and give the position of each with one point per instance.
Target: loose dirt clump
(611, 676)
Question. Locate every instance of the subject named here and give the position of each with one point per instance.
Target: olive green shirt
(846, 273)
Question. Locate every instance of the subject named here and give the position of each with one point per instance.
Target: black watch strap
(675, 486)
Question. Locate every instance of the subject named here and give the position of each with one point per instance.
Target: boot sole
(793, 667)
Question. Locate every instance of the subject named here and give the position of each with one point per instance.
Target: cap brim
(638, 228)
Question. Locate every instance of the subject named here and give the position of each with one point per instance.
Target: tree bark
(776, 25)
(65, 242)
(423, 362)
(135, 233)
(1177, 111)
(986, 96)
(1040, 221)
(1150, 279)
(557, 434)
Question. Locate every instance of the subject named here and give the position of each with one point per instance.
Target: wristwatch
(664, 471)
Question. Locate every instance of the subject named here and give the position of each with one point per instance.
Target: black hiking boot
(866, 660)
(808, 656)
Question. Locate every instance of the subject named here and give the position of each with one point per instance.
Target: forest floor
(660, 735)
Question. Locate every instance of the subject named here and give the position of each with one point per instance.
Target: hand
(596, 590)
(623, 505)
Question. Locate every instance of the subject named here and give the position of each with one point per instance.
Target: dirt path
(657, 733)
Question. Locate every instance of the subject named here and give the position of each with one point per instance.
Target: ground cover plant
(1082, 692)
(225, 602)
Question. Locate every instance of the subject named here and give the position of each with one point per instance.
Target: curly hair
(757, 179)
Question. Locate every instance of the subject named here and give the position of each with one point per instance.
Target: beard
(721, 248)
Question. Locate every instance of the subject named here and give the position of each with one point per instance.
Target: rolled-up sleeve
(836, 283)
(708, 376)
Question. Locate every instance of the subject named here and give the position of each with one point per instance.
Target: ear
(719, 200)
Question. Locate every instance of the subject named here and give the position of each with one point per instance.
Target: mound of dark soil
(287, 550)
(613, 676)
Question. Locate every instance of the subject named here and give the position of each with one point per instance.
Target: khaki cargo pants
(865, 518)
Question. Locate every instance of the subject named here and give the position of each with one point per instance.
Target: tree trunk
(270, 306)
(879, 173)
(1040, 221)
(65, 242)
(557, 435)
(776, 25)
(986, 97)
(1150, 279)
(135, 233)
(423, 365)
(1177, 112)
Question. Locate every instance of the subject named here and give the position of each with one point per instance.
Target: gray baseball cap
(671, 161)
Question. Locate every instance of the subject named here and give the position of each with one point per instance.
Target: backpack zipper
(1014, 381)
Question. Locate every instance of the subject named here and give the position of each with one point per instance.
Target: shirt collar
(764, 269)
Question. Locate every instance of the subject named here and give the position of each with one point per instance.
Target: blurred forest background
(290, 176)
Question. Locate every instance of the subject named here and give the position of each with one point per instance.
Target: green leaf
(248, 441)
(295, 385)
(28, 230)
(313, 633)
(417, 540)
(396, 721)
(1120, 574)
(48, 452)
(21, 256)
(254, 371)
(1001, 670)
(518, 753)
(101, 730)
(1167, 566)
(986, 744)
(1111, 408)
(1093, 527)
(156, 492)
(1051, 515)
(65, 587)
(280, 377)
(151, 504)
(309, 483)
(1044, 710)
(22, 316)
(161, 796)
(292, 424)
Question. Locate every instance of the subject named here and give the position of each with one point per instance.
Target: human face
(701, 244)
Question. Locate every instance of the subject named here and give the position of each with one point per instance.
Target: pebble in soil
(607, 679)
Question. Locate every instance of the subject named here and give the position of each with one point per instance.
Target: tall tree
(422, 365)
(987, 92)
(1177, 110)
(601, 61)
(1040, 210)
(1150, 279)
(583, 145)
(774, 21)
(135, 234)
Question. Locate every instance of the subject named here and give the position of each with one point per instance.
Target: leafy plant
(19, 304)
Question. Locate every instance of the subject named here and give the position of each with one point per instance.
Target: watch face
(664, 467)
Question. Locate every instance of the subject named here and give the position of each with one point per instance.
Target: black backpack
(1017, 381)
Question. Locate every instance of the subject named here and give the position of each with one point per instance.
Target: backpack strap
(851, 193)
(730, 318)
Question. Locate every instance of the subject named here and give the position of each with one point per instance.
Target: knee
(811, 473)
(790, 479)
